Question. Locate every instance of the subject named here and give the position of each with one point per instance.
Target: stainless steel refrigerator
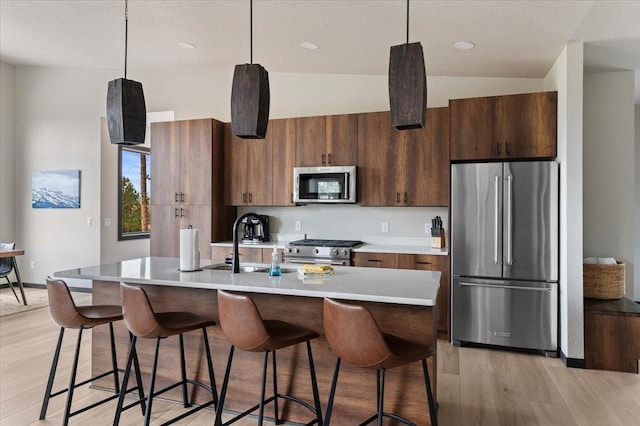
(504, 254)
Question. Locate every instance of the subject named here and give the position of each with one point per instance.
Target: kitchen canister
(189, 250)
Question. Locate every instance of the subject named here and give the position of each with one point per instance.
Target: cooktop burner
(325, 243)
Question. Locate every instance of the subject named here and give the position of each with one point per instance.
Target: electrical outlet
(427, 228)
(385, 226)
(33, 264)
(107, 221)
(298, 225)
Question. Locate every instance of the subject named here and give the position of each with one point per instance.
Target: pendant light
(126, 109)
(407, 84)
(250, 96)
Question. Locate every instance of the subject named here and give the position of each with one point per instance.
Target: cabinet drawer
(376, 260)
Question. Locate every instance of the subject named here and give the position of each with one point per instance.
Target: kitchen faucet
(235, 265)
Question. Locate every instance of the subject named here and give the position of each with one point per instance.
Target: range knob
(296, 250)
(288, 249)
(343, 252)
(316, 251)
(334, 252)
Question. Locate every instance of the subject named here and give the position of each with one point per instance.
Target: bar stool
(65, 312)
(354, 336)
(143, 322)
(245, 329)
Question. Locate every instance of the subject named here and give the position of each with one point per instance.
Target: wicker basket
(604, 282)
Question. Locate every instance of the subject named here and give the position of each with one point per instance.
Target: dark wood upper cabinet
(282, 134)
(504, 127)
(403, 168)
(248, 170)
(327, 140)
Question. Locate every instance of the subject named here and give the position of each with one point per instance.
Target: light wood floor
(475, 386)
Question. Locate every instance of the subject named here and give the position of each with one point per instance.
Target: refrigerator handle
(509, 206)
(495, 219)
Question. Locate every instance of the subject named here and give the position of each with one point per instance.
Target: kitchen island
(402, 301)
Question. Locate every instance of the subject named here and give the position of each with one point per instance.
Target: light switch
(89, 221)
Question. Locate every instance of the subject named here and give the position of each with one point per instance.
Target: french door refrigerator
(504, 254)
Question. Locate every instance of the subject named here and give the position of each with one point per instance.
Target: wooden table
(12, 255)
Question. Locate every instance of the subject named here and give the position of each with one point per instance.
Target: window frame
(130, 235)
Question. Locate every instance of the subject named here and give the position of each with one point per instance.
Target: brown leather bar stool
(244, 327)
(65, 312)
(143, 322)
(354, 336)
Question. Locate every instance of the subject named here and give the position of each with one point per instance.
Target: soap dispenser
(274, 270)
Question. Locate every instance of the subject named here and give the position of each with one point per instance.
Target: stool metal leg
(212, 377)
(381, 374)
(152, 383)
(433, 414)
(12, 289)
(332, 394)
(275, 388)
(223, 391)
(183, 374)
(52, 375)
(125, 380)
(136, 366)
(114, 361)
(264, 384)
(314, 385)
(72, 380)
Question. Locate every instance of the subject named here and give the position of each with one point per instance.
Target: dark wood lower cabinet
(356, 392)
(423, 262)
(612, 335)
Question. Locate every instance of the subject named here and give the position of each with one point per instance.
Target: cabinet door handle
(497, 148)
(244, 197)
(374, 260)
(182, 212)
(507, 148)
(182, 197)
(250, 197)
(420, 262)
(329, 159)
(405, 198)
(176, 212)
(397, 197)
(175, 198)
(322, 159)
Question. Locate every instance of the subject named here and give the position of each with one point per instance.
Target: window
(134, 203)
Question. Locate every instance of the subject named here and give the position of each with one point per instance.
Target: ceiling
(513, 38)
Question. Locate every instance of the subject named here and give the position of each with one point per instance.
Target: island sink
(264, 269)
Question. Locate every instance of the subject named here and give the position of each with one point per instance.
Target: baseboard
(44, 286)
(572, 362)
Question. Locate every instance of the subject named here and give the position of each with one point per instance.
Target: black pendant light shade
(250, 101)
(126, 112)
(407, 86)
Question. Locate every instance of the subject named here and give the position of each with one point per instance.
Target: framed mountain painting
(55, 189)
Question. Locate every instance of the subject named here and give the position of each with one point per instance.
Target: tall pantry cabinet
(187, 187)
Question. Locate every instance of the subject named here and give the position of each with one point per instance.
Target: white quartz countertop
(401, 286)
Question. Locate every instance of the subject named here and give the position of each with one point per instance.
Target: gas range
(333, 252)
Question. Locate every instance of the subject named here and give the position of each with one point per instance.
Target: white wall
(608, 150)
(58, 126)
(566, 77)
(7, 152)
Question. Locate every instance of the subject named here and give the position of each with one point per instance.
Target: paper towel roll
(189, 250)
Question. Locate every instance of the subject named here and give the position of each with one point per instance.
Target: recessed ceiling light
(309, 45)
(464, 45)
(187, 46)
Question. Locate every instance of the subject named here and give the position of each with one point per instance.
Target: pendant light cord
(251, 31)
(126, 34)
(407, 21)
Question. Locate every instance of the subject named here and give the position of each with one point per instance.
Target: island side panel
(405, 392)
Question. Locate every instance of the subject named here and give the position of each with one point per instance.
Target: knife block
(437, 238)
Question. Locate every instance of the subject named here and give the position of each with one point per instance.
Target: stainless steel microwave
(333, 184)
